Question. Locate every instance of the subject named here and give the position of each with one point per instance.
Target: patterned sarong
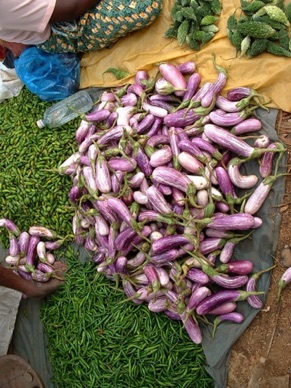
(102, 25)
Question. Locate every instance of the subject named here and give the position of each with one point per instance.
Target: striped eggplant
(259, 195)
(14, 249)
(262, 141)
(122, 164)
(250, 124)
(190, 163)
(171, 177)
(238, 93)
(266, 163)
(173, 75)
(168, 242)
(192, 86)
(192, 328)
(284, 280)
(161, 156)
(234, 316)
(231, 106)
(187, 67)
(23, 241)
(196, 297)
(103, 178)
(223, 308)
(158, 201)
(238, 221)
(229, 119)
(153, 277)
(10, 226)
(219, 297)
(239, 180)
(227, 140)
(42, 231)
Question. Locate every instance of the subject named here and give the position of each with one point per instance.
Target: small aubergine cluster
(156, 178)
(31, 254)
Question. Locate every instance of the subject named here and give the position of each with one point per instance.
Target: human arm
(30, 288)
(66, 10)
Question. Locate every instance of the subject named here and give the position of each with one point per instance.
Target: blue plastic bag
(51, 76)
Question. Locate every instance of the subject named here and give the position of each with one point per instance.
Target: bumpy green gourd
(256, 29)
(207, 37)
(210, 28)
(257, 47)
(198, 35)
(250, 7)
(288, 12)
(275, 49)
(209, 19)
(273, 23)
(276, 14)
(216, 7)
(192, 43)
(183, 32)
(193, 22)
(283, 38)
(231, 22)
(236, 39)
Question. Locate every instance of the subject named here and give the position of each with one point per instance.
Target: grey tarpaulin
(260, 248)
(29, 339)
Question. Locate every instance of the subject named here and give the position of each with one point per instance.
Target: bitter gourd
(257, 47)
(277, 14)
(276, 49)
(249, 7)
(256, 29)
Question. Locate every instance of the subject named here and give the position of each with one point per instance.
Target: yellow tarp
(144, 49)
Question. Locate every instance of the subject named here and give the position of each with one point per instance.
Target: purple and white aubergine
(237, 221)
(239, 180)
(232, 106)
(220, 297)
(250, 124)
(267, 158)
(173, 75)
(238, 93)
(10, 226)
(234, 316)
(259, 195)
(284, 281)
(227, 140)
(254, 300)
(238, 267)
(211, 95)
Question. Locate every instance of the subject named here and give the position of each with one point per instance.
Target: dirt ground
(261, 358)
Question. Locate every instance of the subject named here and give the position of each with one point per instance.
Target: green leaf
(119, 74)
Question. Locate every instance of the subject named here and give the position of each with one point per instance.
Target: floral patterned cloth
(102, 25)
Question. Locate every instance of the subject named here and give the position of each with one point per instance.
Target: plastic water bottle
(71, 107)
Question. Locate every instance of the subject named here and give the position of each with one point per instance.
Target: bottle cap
(40, 124)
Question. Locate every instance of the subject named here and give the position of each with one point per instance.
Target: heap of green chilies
(31, 191)
(95, 337)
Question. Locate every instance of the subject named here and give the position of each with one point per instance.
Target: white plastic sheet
(10, 84)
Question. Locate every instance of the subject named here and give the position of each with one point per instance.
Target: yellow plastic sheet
(144, 49)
